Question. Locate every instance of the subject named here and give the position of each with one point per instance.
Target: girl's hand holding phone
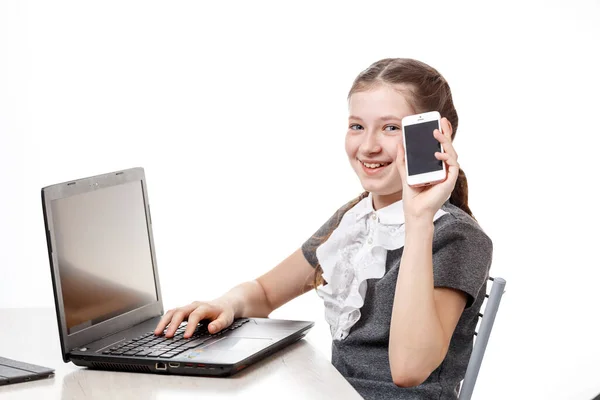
(425, 201)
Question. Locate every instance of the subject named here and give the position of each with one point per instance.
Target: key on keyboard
(149, 345)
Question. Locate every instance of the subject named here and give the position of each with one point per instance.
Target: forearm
(416, 334)
(248, 299)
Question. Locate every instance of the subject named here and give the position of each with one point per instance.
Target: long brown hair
(427, 91)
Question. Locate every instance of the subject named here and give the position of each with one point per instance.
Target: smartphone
(422, 168)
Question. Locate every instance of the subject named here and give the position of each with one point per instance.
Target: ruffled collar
(356, 251)
(392, 214)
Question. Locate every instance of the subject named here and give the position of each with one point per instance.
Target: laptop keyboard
(150, 345)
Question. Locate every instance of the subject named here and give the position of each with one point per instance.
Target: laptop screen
(104, 257)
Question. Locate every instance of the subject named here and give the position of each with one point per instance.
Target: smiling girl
(401, 270)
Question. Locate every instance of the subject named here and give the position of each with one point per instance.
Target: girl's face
(374, 131)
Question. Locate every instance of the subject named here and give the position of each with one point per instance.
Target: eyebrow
(384, 118)
(389, 118)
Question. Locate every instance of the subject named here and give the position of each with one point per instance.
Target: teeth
(373, 165)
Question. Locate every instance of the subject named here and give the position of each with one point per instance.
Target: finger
(452, 166)
(179, 316)
(164, 321)
(204, 311)
(400, 162)
(446, 143)
(447, 158)
(222, 322)
(446, 128)
(452, 176)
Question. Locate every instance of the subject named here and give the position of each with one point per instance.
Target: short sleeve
(309, 247)
(462, 256)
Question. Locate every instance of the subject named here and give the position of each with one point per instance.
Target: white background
(237, 111)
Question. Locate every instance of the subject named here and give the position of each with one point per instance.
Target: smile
(371, 168)
(374, 165)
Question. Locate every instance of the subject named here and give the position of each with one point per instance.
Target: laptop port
(161, 366)
(174, 365)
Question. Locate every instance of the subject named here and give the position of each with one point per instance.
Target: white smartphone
(422, 168)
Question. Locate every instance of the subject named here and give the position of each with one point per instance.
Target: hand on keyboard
(149, 345)
(221, 315)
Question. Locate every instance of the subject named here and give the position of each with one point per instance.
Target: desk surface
(299, 371)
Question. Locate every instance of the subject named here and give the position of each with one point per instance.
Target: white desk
(30, 335)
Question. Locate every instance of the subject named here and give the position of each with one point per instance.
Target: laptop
(107, 292)
(14, 371)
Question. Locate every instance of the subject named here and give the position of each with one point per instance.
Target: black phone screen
(421, 147)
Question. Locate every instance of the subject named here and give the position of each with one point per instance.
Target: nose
(370, 144)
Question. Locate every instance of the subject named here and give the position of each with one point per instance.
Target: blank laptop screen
(103, 250)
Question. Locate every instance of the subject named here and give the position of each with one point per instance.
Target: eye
(392, 128)
(355, 127)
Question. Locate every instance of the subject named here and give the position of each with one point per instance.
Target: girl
(401, 270)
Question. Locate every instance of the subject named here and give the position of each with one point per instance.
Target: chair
(483, 335)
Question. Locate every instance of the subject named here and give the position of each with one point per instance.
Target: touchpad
(238, 344)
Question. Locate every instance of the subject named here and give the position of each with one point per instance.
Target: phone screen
(421, 147)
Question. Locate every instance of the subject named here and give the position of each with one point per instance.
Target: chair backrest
(483, 335)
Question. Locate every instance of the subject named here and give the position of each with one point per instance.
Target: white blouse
(357, 251)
